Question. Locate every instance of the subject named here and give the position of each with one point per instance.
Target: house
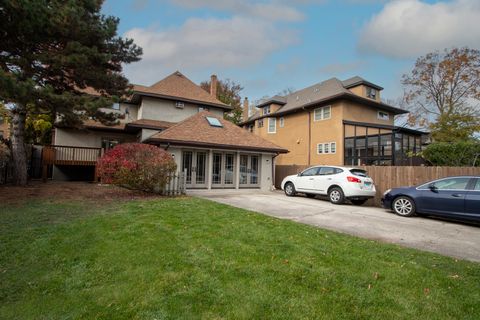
(335, 123)
(181, 117)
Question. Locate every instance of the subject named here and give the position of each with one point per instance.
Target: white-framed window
(116, 106)
(383, 115)
(371, 93)
(326, 148)
(202, 108)
(266, 110)
(333, 147)
(282, 122)
(179, 104)
(272, 125)
(322, 113)
(319, 148)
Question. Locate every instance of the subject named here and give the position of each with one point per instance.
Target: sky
(268, 46)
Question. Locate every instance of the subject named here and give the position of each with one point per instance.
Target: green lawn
(188, 258)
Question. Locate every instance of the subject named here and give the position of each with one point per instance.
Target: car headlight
(387, 192)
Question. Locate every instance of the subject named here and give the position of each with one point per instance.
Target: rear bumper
(360, 194)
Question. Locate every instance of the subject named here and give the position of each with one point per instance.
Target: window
(202, 108)
(282, 122)
(320, 148)
(371, 93)
(272, 125)
(452, 184)
(333, 147)
(383, 115)
(116, 106)
(324, 171)
(329, 147)
(109, 143)
(310, 172)
(179, 104)
(322, 113)
(214, 122)
(477, 185)
(266, 110)
(260, 123)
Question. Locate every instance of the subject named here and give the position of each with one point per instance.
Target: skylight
(214, 122)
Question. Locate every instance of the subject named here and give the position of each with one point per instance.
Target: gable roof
(355, 81)
(323, 92)
(178, 87)
(196, 131)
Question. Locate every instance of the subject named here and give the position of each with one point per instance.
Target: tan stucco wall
(360, 113)
(165, 110)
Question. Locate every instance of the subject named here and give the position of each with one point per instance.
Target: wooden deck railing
(74, 156)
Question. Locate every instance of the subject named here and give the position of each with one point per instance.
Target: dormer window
(266, 110)
(371, 93)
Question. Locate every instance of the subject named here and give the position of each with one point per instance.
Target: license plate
(368, 185)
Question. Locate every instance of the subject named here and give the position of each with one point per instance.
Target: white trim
(326, 148)
(320, 112)
(274, 125)
(319, 147)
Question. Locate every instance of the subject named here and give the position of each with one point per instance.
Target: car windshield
(359, 172)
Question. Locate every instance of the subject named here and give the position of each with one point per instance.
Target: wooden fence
(390, 177)
(176, 186)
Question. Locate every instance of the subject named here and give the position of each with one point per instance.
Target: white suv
(339, 183)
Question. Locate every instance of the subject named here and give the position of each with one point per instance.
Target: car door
(444, 197)
(323, 180)
(472, 201)
(304, 181)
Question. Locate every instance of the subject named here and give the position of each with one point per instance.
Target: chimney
(213, 85)
(245, 113)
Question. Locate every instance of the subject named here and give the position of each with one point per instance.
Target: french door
(195, 164)
(223, 170)
(249, 171)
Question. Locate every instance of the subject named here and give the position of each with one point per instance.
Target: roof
(324, 92)
(178, 87)
(385, 126)
(137, 124)
(150, 124)
(196, 131)
(273, 100)
(355, 81)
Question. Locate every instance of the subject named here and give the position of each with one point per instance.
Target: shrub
(137, 166)
(456, 154)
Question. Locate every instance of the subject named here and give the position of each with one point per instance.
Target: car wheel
(336, 195)
(404, 206)
(310, 195)
(289, 189)
(358, 202)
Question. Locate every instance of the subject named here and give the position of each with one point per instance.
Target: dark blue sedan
(452, 197)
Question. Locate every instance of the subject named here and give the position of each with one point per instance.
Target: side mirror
(432, 187)
(299, 174)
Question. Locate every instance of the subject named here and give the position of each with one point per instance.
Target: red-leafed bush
(137, 166)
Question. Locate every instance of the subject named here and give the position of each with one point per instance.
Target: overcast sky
(270, 45)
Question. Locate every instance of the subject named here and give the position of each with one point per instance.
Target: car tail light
(353, 179)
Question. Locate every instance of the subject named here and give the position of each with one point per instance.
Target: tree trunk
(19, 153)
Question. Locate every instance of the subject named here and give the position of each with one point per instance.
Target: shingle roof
(325, 91)
(151, 124)
(355, 81)
(196, 131)
(177, 86)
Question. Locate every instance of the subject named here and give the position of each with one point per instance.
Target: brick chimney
(213, 85)
(245, 109)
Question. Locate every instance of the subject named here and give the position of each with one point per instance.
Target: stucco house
(184, 119)
(334, 122)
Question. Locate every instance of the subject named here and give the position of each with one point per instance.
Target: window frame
(266, 110)
(274, 125)
(319, 148)
(387, 115)
(260, 123)
(281, 122)
(321, 112)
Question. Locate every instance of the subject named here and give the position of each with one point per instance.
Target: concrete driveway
(447, 238)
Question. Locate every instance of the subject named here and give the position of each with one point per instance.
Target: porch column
(237, 171)
(210, 169)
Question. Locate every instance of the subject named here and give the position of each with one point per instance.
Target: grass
(189, 258)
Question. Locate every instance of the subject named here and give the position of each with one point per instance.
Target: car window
(359, 172)
(477, 185)
(310, 172)
(327, 171)
(452, 184)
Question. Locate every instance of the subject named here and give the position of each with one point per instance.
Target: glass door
(223, 170)
(249, 171)
(195, 165)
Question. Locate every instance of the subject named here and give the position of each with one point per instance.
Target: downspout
(273, 169)
(168, 146)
